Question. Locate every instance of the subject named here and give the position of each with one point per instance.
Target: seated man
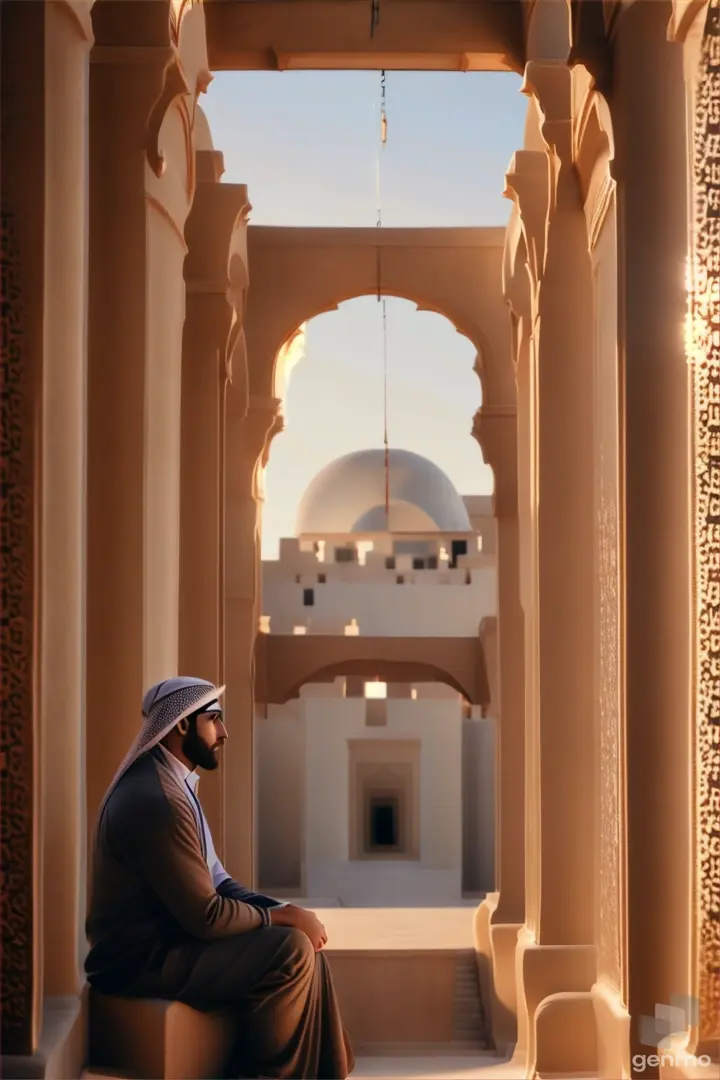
(166, 920)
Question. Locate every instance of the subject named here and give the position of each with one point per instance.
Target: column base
(613, 1032)
(495, 945)
(62, 1052)
(556, 1012)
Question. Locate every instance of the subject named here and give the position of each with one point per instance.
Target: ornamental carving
(704, 343)
(608, 645)
(17, 527)
(174, 87)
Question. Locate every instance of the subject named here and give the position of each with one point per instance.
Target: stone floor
(396, 928)
(477, 1067)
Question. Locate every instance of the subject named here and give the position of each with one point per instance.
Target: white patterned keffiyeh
(164, 705)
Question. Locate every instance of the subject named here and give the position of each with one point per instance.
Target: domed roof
(348, 496)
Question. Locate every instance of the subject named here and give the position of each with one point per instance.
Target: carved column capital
(215, 262)
(527, 184)
(238, 277)
(210, 167)
(495, 429)
(551, 84)
(516, 272)
(262, 422)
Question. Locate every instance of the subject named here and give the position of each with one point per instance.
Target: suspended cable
(374, 16)
(380, 294)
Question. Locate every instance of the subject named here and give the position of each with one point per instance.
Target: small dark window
(322, 578)
(390, 562)
(308, 597)
(383, 824)
(418, 564)
(298, 579)
(458, 548)
(344, 555)
(432, 563)
(400, 579)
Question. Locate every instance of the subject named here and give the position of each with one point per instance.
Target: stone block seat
(156, 1040)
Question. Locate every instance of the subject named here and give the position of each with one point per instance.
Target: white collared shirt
(188, 781)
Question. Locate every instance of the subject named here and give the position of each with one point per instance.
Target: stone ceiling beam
(432, 35)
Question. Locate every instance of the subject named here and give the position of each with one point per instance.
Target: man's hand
(307, 921)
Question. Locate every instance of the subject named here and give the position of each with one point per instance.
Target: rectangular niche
(384, 787)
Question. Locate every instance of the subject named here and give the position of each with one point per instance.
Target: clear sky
(306, 145)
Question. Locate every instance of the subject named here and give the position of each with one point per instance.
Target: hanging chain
(380, 294)
(381, 147)
(374, 16)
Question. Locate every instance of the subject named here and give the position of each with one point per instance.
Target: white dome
(348, 496)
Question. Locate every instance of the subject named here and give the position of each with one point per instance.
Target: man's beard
(198, 752)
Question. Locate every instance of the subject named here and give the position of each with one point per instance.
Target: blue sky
(306, 145)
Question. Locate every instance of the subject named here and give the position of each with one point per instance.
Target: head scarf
(164, 706)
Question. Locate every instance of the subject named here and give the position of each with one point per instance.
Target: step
(407, 996)
(155, 1040)
(469, 1024)
(105, 1074)
(442, 1067)
(455, 1048)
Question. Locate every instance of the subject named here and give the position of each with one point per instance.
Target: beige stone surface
(396, 928)
(438, 1068)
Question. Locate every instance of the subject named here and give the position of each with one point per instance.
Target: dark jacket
(151, 887)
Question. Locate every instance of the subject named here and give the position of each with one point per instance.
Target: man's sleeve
(229, 889)
(166, 850)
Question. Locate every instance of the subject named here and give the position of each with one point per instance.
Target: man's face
(205, 736)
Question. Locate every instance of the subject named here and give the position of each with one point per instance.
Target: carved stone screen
(704, 346)
(608, 669)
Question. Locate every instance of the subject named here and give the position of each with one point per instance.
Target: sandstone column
(249, 425)
(218, 211)
(555, 959)
(68, 39)
(496, 430)
(45, 50)
(649, 116)
(141, 186)
(498, 437)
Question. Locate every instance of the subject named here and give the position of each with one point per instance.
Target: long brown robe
(158, 928)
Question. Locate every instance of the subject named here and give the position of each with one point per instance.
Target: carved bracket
(175, 85)
(236, 363)
(517, 282)
(551, 84)
(263, 422)
(527, 183)
(495, 429)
